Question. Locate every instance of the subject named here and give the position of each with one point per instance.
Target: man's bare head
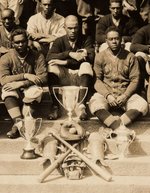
(8, 18)
(71, 27)
(48, 7)
(116, 8)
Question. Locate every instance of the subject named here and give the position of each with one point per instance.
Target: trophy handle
(38, 123)
(133, 135)
(21, 129)
(86, 90)
(54, 89)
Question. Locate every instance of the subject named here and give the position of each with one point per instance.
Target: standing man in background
(7, 27)
(126, 25)
(15, 5)
(45, 26)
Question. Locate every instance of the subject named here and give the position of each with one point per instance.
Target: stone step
(59, 184)
(139, 147)
(141, 126)
(129, 166)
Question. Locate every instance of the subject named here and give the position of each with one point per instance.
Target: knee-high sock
(85, 81)
(130, 116)
(13, 108)
(143, 74)
(53, 80)
(108, 119)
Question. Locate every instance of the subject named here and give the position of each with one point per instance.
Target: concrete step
(130, 166)
(141, 126)
(139, 147)
(59, 184)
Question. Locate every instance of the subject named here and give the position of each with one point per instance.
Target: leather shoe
(83, 116)
(55, 114)
(81, 112)
(14, 133)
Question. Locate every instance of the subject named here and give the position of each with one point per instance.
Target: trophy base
(29, 154)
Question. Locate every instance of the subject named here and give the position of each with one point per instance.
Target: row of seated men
(30, 60)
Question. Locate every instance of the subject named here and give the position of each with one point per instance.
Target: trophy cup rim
(70, 87)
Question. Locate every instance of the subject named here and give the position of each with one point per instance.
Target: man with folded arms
(70, 63)
(21, 69)
(45, 26)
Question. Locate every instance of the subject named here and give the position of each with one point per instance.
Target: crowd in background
(89, 12)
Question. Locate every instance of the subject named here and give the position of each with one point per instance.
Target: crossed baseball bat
(97, 169)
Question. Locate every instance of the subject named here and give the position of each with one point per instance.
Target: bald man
(15, 5)
(70, 62)
(8, 25)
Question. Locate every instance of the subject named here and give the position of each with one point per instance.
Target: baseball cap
(33, 93)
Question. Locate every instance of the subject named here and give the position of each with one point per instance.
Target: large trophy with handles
(69, 99)
(124, 137)
(70, 96)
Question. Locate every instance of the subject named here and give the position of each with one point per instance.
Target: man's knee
(85, 68)
(97, 102)
(54, 69)
(144, 107)
(6, 94)
(142, 55)
(139, 104)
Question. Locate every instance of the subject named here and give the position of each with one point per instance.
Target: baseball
(72, 130)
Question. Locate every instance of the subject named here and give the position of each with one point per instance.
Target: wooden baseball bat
(54, 165)
(100, 171)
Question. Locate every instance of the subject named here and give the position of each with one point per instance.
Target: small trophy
(29, 129)
(70, 96)
(124, 137)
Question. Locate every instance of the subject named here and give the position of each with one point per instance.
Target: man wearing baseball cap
(22, 75)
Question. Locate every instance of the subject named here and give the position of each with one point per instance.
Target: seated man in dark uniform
(70, 63)
(141, 47)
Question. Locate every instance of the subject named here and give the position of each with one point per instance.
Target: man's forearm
(131, 88)
(101, 88)
(60, 56)
(136, 47)
(11, 78)
(47, 39)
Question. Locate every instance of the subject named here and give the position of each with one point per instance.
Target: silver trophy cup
(70, 96)
(124, 137)
(29, 129)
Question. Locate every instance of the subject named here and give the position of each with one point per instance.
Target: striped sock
(130, 116)
(107, 118)
(13, 108)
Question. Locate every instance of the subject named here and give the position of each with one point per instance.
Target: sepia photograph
(74, 96)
